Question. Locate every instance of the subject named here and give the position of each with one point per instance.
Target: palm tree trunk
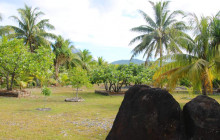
(77, 93)
(161, 53)
(204, 88)
(31, 47)
(56, 66)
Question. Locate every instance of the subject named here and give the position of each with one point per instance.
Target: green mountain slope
(135, 61)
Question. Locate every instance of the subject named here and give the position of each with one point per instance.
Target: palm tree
(215, 33)
(31, 28)
(101, 61)
(86, 59)
(160, 34)
(63, 53)
(199, 65)
(4, 29)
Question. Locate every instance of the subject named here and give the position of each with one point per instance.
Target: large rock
(147, 113)
(202, 118)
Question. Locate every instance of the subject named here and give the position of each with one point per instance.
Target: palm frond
(148, 19)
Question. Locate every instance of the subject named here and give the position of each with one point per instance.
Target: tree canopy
(202, 62)
(163, 33)
(31, 28)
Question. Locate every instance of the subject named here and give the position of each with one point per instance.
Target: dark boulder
(147, 113)
(202, 118)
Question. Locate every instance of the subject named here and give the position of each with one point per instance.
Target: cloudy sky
(101, 26)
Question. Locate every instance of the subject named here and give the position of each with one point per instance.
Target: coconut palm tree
(101, 61)
(63, 51)
(4, 30)
(199, 65)
(86, 59)
(160, 34)
(31, 28)
(215, 33)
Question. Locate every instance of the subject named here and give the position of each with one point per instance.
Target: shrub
(185, 82)
(46, 91)
(216, 83)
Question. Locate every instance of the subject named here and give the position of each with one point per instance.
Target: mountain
(135, 61)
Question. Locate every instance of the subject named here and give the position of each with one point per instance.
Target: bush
(52, 81)
(216, 83)
(46, 91)
(185, 82)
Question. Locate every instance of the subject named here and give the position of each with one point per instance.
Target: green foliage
(185, 82)
(201, 63)
(114, 77)
(52, 81)
(46, 91)
(101, 62)
(41, 64)
(163, 32)
(16, 62)
(64, 79)
(63, 53)
(86, 60)
(31, 28)
(14, 59)
(216, 83)
(144, 76)
(78, 77)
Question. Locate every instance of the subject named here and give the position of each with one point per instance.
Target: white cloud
(104, 23)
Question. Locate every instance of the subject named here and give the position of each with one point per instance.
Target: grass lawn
(88, 120)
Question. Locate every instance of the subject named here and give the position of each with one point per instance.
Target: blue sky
(101, 26)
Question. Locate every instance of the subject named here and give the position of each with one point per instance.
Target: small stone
(43, 109)
(74, 99)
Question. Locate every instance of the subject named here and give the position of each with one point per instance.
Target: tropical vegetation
(161, 33)
(201, 64)
(33, 56)
(187, 55)
(63, 53)
(31, 28)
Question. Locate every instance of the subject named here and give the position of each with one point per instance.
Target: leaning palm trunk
(77, 89)
(161, 53)
(56, 71)
(204, 89)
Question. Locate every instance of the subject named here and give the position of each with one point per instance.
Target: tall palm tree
(215, 33)
(86, 59)
(31, 28)
(63, 52)
(199, 65)
(101, 61)
(161, 33)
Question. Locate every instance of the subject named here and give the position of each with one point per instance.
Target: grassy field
(88, 120)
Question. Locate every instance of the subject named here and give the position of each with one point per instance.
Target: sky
(101, 26)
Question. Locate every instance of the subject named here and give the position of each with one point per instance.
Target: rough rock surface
(202, 118)
(147, 113)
